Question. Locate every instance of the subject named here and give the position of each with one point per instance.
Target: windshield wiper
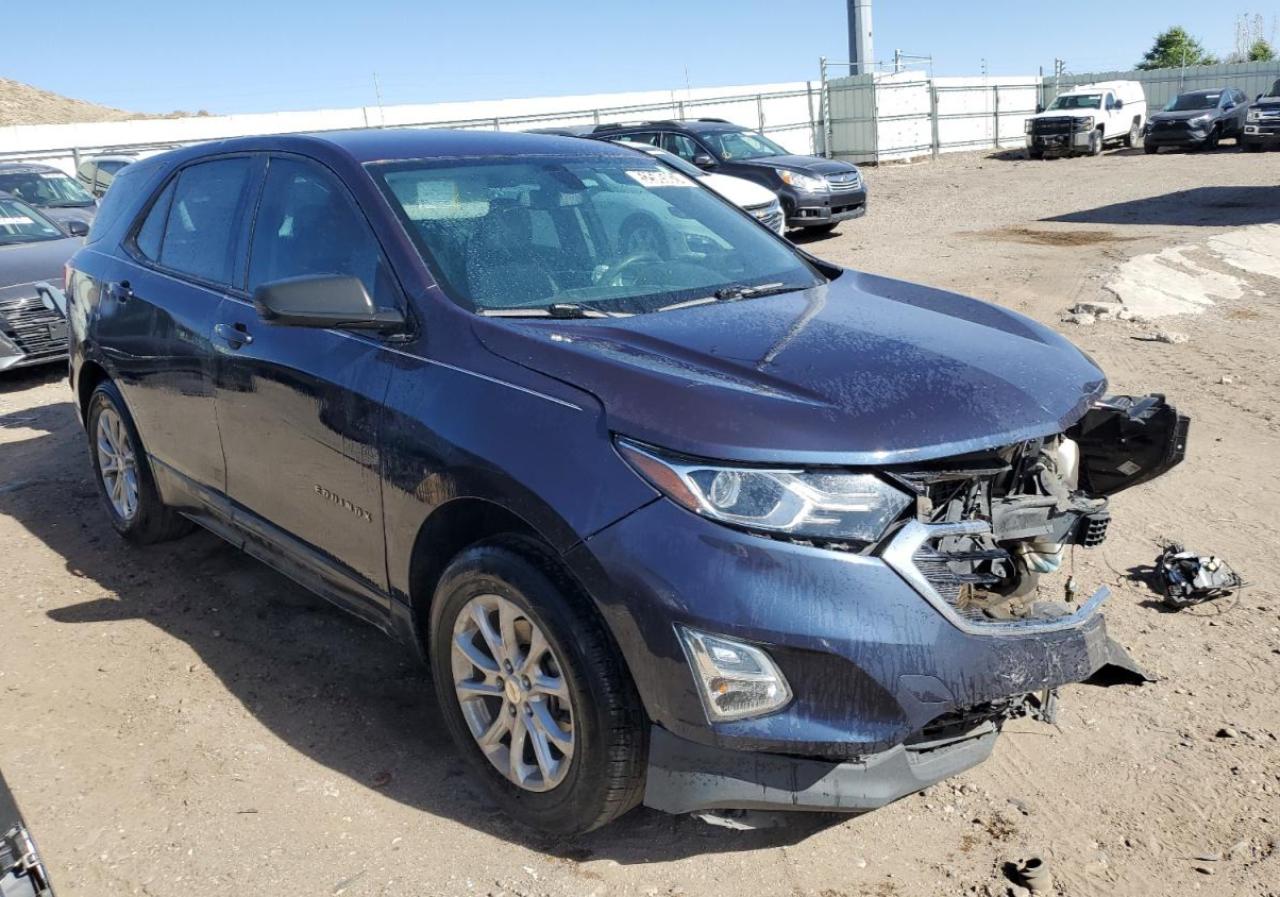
(554, 310)
(730, 293)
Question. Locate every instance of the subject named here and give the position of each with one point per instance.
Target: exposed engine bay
(1032, 502)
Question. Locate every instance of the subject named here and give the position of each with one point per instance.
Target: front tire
(1095, 143)
(1215, 136)
(533, 690)
(1131, 139)
(1150, 149)
(125, 482)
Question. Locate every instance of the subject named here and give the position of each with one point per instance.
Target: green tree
(1261, 51)
(1175, 48)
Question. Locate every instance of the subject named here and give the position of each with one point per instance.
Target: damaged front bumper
(873, 665)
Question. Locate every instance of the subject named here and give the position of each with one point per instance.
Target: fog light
(736, 680)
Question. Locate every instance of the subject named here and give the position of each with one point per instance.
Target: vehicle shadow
(329, 686)
(1195, 207)
(808, 235)
(28, 378)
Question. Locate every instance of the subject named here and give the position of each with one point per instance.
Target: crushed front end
(899, 659)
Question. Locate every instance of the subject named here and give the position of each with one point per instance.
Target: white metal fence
(786, 112)
(876, 118)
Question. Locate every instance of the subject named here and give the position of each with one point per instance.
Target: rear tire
(123, 473)
(1149, 149)
(514, 585)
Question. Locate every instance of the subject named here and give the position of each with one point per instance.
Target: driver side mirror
(77, 228)
(324, 301)
(1119, 104)
(704, 160)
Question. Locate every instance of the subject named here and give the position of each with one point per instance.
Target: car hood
(863, 370)
(805, 164)
(1267, 103)
(1068, 113)
(1183, 114)
(739, 191)
(71, 213)
(25, 263)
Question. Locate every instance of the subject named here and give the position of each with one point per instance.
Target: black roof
(392, 144)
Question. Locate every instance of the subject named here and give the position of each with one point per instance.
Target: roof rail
(620, 125)
(722, 121)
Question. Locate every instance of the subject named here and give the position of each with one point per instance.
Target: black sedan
(33, 251)
(1197, 120)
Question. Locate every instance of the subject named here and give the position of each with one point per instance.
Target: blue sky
(239, 56)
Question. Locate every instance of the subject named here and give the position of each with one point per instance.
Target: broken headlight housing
(824, 505)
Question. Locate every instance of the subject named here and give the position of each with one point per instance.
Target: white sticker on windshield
(19, 221)
(659, 177)
(52, 175)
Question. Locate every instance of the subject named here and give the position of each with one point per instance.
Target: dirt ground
(182, 721)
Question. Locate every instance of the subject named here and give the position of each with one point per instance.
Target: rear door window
(201, 234)
(681, 145)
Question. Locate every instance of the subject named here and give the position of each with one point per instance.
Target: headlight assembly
(1084, 124)
(802, 182)
(827, 505)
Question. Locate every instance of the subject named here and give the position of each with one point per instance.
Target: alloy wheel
(117, 463)
(512, 691)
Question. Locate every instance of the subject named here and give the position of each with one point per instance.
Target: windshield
(1078, 101)
(19, 223)
(1190, 101)
(741, 145)
(1275, 90)
(45, 188)
(591, 235)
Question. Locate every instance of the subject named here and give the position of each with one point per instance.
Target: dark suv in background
(816, 193)
(707, 523)
(1197, 120)
(1262, 123)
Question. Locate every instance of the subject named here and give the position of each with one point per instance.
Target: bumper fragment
(685, 777)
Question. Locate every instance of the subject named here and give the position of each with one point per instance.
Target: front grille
(844, 183)
(1169, 125)
(938, 565)
(1052, 125)
(36, 330)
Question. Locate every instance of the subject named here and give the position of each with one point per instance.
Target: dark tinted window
(651, 137)
(307, 225)
(682, 145)
(202, 232)
(151, 234)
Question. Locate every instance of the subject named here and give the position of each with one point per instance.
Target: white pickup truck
(1086, 118)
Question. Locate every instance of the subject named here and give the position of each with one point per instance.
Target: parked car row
(816, 194)
(44, 214)
(1090, 117)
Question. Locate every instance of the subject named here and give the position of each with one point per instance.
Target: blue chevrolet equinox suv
(697, 520)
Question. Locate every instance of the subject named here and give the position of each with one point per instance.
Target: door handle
(121, 292)
(234, 335)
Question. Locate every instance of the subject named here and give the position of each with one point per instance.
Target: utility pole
(897, 61)
(861, 48)
(377, 91)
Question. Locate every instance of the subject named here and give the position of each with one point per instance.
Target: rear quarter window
(123, 196)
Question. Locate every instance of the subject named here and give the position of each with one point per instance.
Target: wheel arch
(449, 530)
(88, 377)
